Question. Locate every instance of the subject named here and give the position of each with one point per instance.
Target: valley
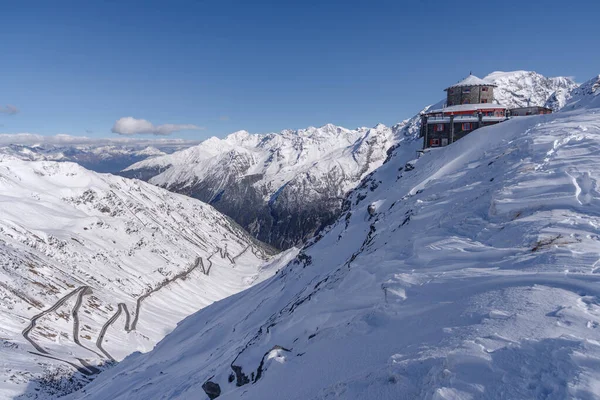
(95, 267)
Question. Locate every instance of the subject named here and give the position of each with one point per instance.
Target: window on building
(484, 89)
(434, 142)
(438, 127)
(483, 101)
(467, 126)
(466, 90)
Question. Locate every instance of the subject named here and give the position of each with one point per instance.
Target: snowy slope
(470, 273)
(284, 187)
(94, 267)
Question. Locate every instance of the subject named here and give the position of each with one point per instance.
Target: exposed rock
(212, 390)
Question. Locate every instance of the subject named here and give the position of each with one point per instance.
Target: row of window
(465, 126)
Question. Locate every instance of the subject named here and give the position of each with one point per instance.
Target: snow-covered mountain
(522, 88)
(283, 187)
(102, 158)
(100, 155)
(469, 273)
(586, 96)
(94, 267)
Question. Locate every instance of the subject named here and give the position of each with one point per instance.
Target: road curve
(130, 325)
(34, 319)
(122, 307)
(108, 323)
(75, 314)
(43, 352)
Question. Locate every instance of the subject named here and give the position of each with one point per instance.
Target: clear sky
(77, 67)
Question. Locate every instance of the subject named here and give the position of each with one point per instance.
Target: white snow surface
(104, 244)
(473, 80)
(475, 276)
(467, 107)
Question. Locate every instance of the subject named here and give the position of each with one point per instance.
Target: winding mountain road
(56, 306)
(75, 314)
(43, 352)
(130, 324)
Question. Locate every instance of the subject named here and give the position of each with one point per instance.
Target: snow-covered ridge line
(282, 187)
(101, 155)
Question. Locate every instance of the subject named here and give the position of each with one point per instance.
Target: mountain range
(284, 187)
(100, 155)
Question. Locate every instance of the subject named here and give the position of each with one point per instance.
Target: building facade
(533, 110)
(469, 106)
(471, 90)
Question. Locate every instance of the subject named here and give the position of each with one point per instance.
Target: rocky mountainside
(94, 267)
(585, 96)
(471, 272)
(283, 187)
(520, 88)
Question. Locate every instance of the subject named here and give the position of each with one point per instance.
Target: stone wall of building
(469, 95)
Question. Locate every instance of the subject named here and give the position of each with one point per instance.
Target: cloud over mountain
(134, 126)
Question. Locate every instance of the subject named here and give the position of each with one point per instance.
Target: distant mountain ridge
(522, 88)
(283, 187)
(100, 155)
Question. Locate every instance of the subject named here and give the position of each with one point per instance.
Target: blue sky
(77, 67)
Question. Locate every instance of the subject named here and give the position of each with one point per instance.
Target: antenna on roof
(470, 72)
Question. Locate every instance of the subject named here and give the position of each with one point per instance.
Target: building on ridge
(469, 105)
(529, 110)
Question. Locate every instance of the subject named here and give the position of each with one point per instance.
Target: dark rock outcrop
(212, 390)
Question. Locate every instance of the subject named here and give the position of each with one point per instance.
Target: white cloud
(9, 109)
(134, 126)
